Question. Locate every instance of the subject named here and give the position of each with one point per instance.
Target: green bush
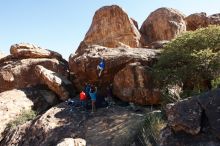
(190, 61)
(154, 123)
(216, 82)
(26, 115)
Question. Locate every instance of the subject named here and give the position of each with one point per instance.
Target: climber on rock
(101, 66)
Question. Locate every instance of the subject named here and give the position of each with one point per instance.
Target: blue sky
(60, 25)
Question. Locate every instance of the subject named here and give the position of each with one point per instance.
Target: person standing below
(101, 66)
(93, 96)
(83, 98)
(87, 89)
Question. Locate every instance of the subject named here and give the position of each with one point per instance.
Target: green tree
(190, 61)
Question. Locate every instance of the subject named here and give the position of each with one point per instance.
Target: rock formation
(200, 20)
(115, 126)
(112, 27)
(25, 50)
(56, 82)
(194, 120)
(177, 113)
(17, 70)
(83, 64)
(214, 19)
(135, 23)
(162, 24)
(197, 20)
(134, 84)
(13, 102)
(72, 142)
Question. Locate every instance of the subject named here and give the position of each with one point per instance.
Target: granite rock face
(185, 116)
(162, 24)
(214, 19)
(19, 73)
(26, 50)
(17, 69)
(200, 20)
(197, 20)
(194, 120)
(83, 64)
(111, 27)
(134, 83)
(56, 82)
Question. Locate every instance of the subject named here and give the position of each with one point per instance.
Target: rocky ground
(107, 126)
(14, 102)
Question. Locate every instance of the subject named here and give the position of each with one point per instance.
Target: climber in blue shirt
(101, 66)
(92, 93)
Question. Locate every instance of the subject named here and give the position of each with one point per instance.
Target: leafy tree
(191, 61)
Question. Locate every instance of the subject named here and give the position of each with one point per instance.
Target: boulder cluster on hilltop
(112, 35)
(35, 78)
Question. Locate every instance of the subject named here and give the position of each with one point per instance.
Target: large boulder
(134, 84)
(193, 121)
(200, 20)
(214, 19)
(17, 69)
(112, 27)
(197, 20)
(83, 64)
(185, 116)
(26, 50)
(20, 73)
(114, 126)
(56, 82)
(162, 24)
(14, 102)
(210, 103)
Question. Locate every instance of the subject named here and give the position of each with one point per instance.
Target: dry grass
(26, 115)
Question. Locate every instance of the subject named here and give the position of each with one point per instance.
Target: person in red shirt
(83, 98)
